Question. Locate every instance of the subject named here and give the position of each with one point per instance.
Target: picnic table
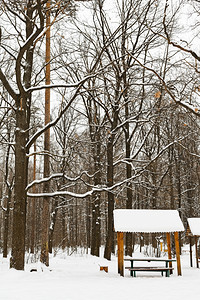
(167, 268)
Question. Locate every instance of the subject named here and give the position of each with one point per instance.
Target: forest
(99, 109)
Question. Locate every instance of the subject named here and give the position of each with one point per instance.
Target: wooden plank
(120, 244)
(176, 238)
(150, 259)
(149, 269)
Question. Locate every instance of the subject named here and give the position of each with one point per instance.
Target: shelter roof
(147, 220)
(194, 224)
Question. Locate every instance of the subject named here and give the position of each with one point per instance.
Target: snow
(194, 224)
(147, 220)
(78, 277)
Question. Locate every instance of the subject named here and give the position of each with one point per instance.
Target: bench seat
(151, 269)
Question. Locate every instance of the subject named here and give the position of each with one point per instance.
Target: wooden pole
(120, 251)
(176, 238)
(196, 248)
(191, 263)
(169, 249)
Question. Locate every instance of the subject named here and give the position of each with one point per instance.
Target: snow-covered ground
(78, 277)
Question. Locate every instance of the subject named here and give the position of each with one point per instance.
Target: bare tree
(27, 23)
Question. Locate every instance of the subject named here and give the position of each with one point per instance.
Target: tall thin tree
(44, 258)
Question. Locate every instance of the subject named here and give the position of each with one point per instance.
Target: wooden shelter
(147, 221)
(194, 231)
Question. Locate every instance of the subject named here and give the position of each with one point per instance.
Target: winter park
(99, 149)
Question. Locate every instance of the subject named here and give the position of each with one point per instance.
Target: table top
(149, 259)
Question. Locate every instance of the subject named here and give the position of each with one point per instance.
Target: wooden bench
(150, 269)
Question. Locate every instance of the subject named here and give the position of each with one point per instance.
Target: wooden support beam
(169, 249)
(191, 263)
(176, 238)
(120, 252)
(196, 248)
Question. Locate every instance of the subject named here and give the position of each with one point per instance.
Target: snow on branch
(100, 188)
(54, 86)
(59, 175)
(78, 86)
(62, 193)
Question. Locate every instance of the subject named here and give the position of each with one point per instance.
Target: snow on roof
(147, 220)
(194, 224)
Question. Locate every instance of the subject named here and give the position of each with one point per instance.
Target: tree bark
(44, 258)
(96, 234)
(95, 244)
(110, 225)
(33, 206)
(21, 173)
(9, 195)
(6, 225)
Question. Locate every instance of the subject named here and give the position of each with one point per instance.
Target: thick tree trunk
(23, 68)
(19, 212)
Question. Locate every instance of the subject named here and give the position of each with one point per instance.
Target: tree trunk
(96, 234)
(64, 232)
(6, 225)
(44, 258)
(95, 225)
(129, 194)
(52, 226)
(110, 232)
(9, 191)
(129, 235)
(125, 63)
(33, 206)
(88, 223)
(19, 212)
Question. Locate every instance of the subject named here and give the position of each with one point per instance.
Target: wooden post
(196, 248)
(177, 253)
(169, 249)
(120, 252)
(191, 264)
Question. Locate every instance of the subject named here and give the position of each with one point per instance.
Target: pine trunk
(44, 258)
